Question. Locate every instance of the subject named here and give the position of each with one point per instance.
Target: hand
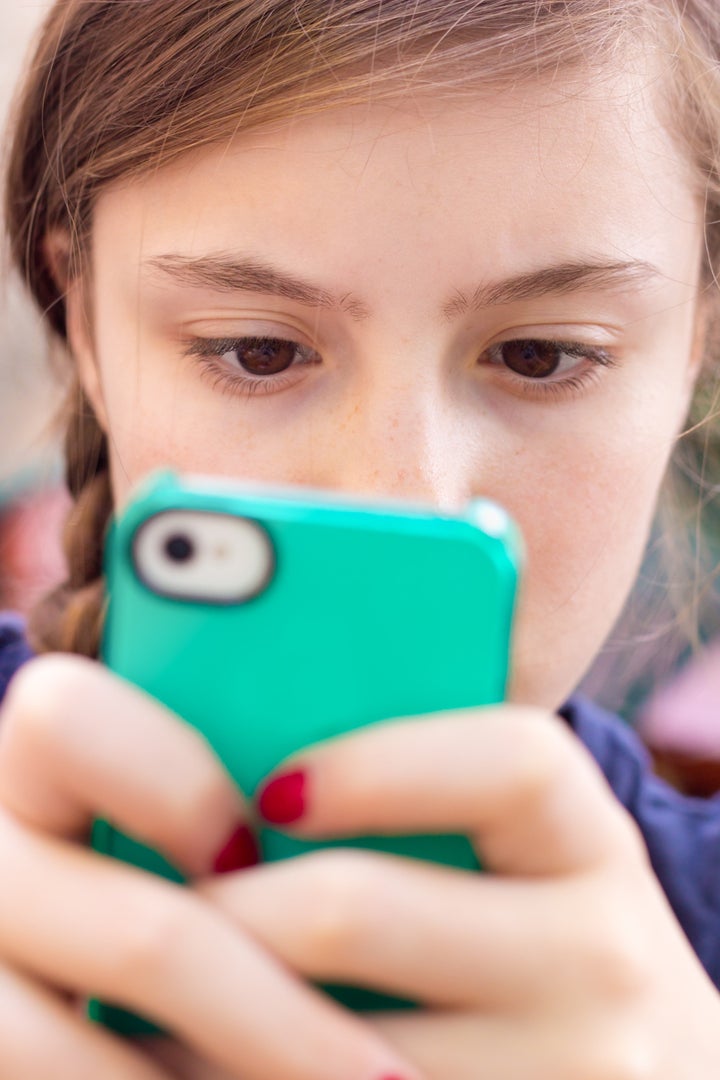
(563, 963)
(77, 743)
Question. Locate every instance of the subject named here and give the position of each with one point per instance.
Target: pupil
(532, 359)
(266, 357)
(179, 548)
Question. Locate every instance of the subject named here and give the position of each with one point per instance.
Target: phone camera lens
(179, 548)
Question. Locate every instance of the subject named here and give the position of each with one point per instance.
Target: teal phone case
(371, 612)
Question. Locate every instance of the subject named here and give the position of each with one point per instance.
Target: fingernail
(282, 801)
(240, 852)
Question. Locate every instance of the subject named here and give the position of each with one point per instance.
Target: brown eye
(531, 359)
(265, 356)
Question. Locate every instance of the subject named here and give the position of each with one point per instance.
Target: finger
(78, 743)
(181, 1061)
(534, 1047)
(432, 934)
(69, 1049)
(138, 941)
(514, 779)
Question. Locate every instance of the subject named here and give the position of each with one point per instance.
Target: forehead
(509, 172)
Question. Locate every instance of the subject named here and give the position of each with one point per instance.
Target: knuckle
(622, 968)
(544, 753)
(17, 866)
(20, 1003)
(620, 1050)
(344, 890)
(619, 957)
(199, 812)
(145, 944)
(631, 844)
(204, 799)
(33, 708)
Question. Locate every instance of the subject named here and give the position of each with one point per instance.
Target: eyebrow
(221, 273)
(558, 280)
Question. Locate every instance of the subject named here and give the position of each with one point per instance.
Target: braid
(70, 618)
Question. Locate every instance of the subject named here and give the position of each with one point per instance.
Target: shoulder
(682, 834)
(14, 648)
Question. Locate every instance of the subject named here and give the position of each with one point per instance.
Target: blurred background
(32, 501)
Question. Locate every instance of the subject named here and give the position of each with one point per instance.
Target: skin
(402, 403)
(566, 962)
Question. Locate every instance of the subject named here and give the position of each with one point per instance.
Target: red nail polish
(282, 801)
(240, 852)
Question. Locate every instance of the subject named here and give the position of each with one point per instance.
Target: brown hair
(118, 88)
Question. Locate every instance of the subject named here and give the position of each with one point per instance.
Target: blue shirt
(14, 649)
(682, 834)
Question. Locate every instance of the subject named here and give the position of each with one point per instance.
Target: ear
(704, 316)
(78, 319)
(699, 345)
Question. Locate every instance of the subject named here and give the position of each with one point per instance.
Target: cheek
(585, 520)
(161, 415)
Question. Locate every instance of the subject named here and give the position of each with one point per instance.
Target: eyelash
(559, 388)
(209, 352)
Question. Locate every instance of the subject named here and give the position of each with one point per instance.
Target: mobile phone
(271, 619)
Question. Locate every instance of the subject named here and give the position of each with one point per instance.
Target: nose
(403, 443)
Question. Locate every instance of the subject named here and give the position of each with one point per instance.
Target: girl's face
(424, 300)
